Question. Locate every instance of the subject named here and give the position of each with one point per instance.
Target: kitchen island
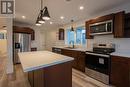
(47, 69)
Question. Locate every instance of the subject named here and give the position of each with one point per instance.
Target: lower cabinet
(120, 72)
(79, 58)
(59, 75)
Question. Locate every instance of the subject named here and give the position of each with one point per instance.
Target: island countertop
(40, 59)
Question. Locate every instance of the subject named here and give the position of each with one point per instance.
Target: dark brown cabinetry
(119, 24)
(120, 72)
(122, 25)
(61, 34)
(88, 36)
(59, 75)
(27, 30)
(127, 26)
(81, 61)
(79, 58)
(34, 49)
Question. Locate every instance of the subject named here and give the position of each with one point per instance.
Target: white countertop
(76, 49)
(122, 54)
(41, 59)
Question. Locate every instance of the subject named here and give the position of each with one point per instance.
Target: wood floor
(2, 64)
(79, 80)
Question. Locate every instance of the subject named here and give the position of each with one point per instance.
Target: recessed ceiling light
(62, 17)
(51, 22)
(81, 7)
(24, 17)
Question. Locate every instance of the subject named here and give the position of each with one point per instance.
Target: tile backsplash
(122, 44)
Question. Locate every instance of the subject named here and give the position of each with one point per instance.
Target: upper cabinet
(88, 36)
(61, 34)
(119, 24)
(120, 28)
(127, 26)
(26, 30)
(122, 25)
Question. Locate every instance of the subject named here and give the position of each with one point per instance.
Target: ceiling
(70, 10)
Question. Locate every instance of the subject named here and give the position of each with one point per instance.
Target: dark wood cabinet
(127, 26)
(34, 49)
(102, 18)
(38, 78)
(70, 53)
(120, 72)
(119, 24)
(30, 78)
(88, 36)
(61, 34)
(122, 25)
(59, 75)
(79, 58)
(81, 61)
(26, 30)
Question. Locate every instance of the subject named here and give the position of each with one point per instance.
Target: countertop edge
(75, 49)
(47, 65)
(120, 54)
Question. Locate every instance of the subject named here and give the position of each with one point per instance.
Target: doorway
(3, 47)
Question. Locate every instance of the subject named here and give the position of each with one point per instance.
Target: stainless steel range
(98, 62)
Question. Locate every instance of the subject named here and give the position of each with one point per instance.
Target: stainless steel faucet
(72, 43)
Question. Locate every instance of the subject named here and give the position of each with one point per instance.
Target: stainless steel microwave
(105, 27)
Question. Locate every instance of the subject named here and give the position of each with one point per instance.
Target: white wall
(52, 38)
(9, 45)
(122, 44)
(39, 41)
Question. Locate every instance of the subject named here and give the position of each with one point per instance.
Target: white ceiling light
(62, 17)
(51, 22)
(81, 7)
(38, 24)
(24, 17)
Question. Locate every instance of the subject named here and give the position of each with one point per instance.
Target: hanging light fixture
(41, 20)
(72, 28)
(46, 15)
(38, 24)
(43, 15)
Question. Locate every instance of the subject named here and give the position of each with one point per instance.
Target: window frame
(66, 42)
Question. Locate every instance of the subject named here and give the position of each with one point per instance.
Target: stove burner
(103, 48)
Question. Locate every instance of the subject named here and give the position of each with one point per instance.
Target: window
(78, 36)
(70, 36)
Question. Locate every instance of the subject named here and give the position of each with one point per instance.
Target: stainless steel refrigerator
(22, 43)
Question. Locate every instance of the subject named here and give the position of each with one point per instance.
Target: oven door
(98, 62)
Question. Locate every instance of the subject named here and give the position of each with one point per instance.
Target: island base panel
(59, 75)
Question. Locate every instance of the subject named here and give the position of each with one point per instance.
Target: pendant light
(41, 20)
(72, 28)
(38, 24)
(46, 15)
(43, 15)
